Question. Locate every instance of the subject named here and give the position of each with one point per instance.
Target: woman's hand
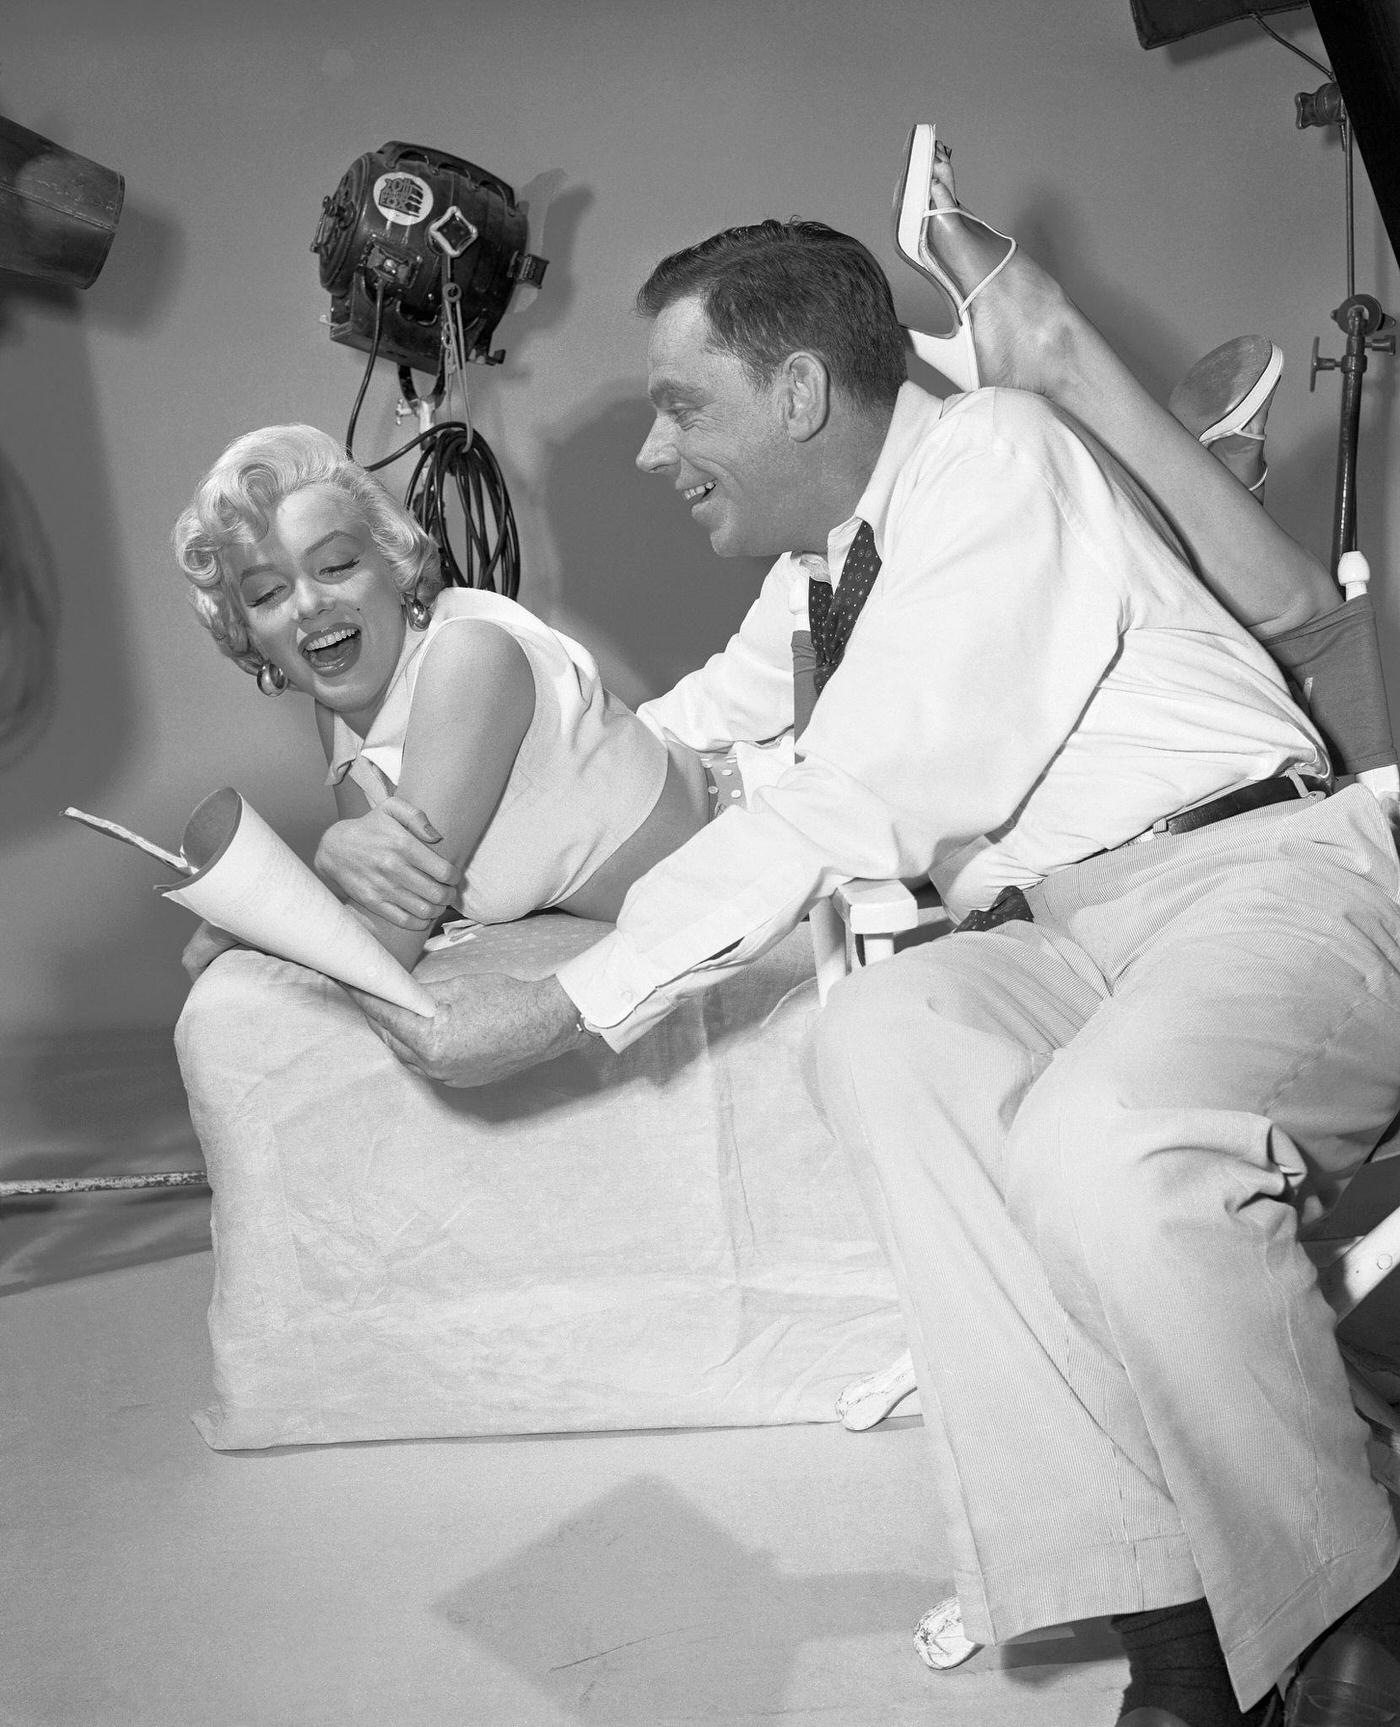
(204, 946)
(384, 862)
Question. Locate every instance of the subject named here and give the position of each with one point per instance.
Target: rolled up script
(243, 877)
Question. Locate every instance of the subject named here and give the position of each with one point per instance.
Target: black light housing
(58, 211)
(1161, 21)
(406, 225)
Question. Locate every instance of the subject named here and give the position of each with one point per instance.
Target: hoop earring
(419, 615)
(272, 680)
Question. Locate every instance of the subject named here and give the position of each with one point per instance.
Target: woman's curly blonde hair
(233, 506)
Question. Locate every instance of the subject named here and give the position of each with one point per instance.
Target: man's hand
(385, 863)
(487, 1027)
(205, 945)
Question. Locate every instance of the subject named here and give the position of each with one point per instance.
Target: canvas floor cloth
(666, 1237)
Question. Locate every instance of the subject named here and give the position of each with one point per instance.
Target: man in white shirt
(1085, 1135)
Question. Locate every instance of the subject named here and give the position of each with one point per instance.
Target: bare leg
(1029, 334)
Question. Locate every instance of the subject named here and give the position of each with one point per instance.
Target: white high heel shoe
(952, 354)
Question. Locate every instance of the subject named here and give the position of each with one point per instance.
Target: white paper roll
(251, 883)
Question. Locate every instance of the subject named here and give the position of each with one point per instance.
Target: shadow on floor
(628, 1598)
(641, 1596)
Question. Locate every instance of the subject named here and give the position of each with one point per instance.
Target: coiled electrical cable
(455, 465)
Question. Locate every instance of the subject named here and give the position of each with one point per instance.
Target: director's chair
(1337, 675)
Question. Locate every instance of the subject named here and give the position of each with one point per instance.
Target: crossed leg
(1030, 335)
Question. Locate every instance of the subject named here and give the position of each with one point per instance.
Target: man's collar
(915, 410)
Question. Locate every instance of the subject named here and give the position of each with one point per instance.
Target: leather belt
(1010, 905)
(1282, 789)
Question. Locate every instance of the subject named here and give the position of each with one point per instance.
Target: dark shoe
(1349, 1681)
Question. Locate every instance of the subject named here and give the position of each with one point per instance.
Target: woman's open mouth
(332, 652)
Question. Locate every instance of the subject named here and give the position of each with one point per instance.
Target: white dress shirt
(1036, 676)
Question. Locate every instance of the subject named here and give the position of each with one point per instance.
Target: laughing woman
(475, 756)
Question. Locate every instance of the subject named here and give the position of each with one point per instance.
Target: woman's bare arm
(382, 860)
(472, 707)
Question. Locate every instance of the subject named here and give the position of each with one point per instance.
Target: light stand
(1362, 319)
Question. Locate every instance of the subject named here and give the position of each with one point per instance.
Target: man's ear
(804, 395)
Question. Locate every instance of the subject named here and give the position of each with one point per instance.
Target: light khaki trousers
(1087, 1145)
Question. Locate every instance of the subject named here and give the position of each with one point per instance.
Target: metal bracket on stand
(1368, 328)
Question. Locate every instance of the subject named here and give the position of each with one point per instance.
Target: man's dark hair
(775, 287)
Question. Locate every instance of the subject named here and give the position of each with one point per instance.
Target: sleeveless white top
(587, 774)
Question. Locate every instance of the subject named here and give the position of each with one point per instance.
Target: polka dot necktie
(832, 617)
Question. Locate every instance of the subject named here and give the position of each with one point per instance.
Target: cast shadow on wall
(61, 629)
(554, 216)
(638, 581)
(68, 712)
(68, 720)
(29, 620)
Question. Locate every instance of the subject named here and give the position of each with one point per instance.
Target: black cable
(457, 465)
(369, 367)
(1292, 47)
(394, 455)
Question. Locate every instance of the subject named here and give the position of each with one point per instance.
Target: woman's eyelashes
(262, 596)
